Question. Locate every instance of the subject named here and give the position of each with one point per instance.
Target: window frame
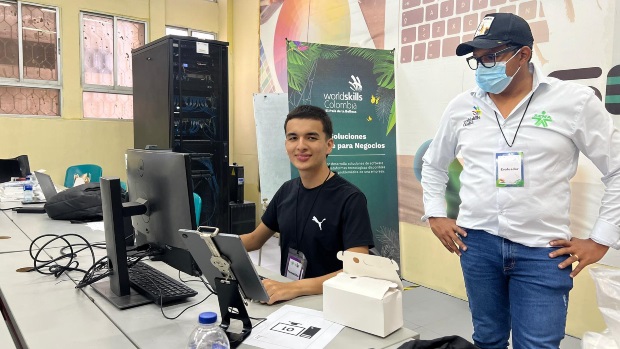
(115, 88)
(20, 81)
(190, 31)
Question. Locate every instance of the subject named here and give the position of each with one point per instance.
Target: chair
(14, 167)
(93, 171)
(197, 208)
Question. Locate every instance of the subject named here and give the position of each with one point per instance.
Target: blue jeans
(512, 286)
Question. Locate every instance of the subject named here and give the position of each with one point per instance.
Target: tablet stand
(228, 294)
(232, 307)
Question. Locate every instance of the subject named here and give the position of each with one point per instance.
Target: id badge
(295, 264)
(509, 169)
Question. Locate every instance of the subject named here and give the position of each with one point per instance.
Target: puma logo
(316, 220)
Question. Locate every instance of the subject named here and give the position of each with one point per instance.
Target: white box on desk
(367, 296)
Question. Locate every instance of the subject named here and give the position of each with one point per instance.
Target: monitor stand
(133, 299)
(232, 307)
(116, 215)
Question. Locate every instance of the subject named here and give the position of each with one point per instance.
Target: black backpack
(81, 203)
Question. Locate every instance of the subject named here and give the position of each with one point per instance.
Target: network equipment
(180, 98)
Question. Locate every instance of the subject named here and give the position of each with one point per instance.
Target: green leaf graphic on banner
(301, 64)
(383, 62)
(392, 120)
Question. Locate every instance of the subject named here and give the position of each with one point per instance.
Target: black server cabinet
(180, 101)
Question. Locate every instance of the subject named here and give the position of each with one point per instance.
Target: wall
(244, 83)
(56, 143)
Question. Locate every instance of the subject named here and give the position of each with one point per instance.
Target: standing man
(317, 214)
(519, 133)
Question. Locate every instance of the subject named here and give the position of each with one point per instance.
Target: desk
(34, 225)
(13, 239)
(49, 312)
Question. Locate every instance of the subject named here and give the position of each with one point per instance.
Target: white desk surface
(34, 225)
(147, 327)
(50, 313)
(74, 318)
(6, 342)
(12, 239)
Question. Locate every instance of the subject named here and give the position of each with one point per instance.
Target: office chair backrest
(15, 167)
(197, 208)
(94, 172)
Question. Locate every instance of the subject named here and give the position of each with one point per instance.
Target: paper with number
(292, 327)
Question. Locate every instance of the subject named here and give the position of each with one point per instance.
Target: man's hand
(281, 291)
(448, 233)
(584, 251)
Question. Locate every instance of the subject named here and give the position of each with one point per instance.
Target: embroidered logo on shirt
(316, 220)
(475, 116)
(542, 119)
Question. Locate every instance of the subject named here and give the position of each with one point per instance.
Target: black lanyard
(297, 237)
(500, 127)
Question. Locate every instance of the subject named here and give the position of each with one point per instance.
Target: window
(107, 42)
(190, 32)
(29, 59)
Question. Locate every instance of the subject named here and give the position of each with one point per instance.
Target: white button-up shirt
(562, 119)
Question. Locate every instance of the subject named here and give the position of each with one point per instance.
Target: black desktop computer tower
(236, 183)
(180, 101)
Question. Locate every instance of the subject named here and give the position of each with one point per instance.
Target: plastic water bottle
(28, 193)
(208, 335)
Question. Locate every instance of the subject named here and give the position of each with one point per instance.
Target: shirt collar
(538, 79)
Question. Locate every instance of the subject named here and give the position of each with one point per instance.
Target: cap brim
(469, 46)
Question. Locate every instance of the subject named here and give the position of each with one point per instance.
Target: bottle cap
(208, 317)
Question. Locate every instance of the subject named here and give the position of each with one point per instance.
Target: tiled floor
(430, 313)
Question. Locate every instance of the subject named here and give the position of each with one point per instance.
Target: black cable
(51, 264)
(200, 279)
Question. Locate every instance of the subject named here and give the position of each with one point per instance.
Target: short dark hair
(306, 111)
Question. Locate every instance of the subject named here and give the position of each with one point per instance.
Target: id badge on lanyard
(295, 264)
(509, 169)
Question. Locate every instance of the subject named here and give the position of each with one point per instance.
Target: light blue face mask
(494, 80)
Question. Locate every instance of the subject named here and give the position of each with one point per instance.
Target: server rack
(180, 92)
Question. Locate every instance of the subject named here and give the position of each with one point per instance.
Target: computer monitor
(161, 179)
(117, 227)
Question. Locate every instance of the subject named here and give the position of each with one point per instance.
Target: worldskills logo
(475, 116)
(355, 84)
(345, 101)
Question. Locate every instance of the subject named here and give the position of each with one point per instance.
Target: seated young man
(317, 214)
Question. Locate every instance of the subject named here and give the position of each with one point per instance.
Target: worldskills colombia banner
(356, 88)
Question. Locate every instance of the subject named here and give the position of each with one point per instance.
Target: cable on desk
(200, 279)
(161, 307)
(53, 268)
(98, 269)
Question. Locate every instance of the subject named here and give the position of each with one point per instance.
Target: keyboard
(157, 286)
(432, 29)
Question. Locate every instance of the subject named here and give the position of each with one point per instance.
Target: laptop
(47, 186)
(48, 189)
(231, 247)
